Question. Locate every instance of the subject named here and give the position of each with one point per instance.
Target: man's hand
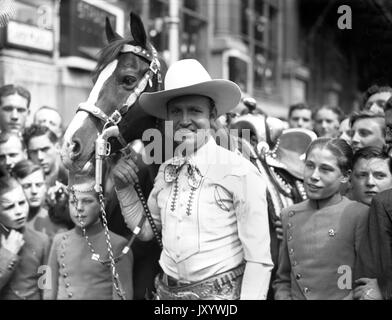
(125, 172)
(367, 289)
(14, 242)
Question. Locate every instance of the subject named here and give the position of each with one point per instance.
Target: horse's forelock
(111, 52)
(108, 54)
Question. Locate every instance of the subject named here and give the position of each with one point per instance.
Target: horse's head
(126, 68)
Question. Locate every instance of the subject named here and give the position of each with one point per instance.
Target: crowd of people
(209, 205)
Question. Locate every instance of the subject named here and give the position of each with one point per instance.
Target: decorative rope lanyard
(126, 151)
(280, 181)
(300, 187)
(192, 181)
(147, 212)
(95, 256)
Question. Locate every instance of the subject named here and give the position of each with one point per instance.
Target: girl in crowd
(23, 251)
(322, 234)
(32, 179)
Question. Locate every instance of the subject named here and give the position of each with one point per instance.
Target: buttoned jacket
(318, 252)
(20, 273)
(77, 275)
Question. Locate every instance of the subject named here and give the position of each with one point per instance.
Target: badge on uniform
(95, 257)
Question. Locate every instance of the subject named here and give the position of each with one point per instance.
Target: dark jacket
(375, 260)
(20, 274)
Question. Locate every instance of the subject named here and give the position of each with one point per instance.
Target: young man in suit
(374, 277)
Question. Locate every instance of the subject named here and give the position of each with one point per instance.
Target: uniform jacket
(41, 222)
(19, 274)
(376, 249)
(317, 255)
(75, 275)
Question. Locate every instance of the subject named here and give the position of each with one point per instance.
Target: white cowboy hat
(188, 77)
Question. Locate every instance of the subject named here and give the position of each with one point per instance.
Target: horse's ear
(111, 35)
(137, 30)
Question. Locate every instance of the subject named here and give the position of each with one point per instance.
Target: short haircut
(298, 106)
(11, 89)
(365, 115)
(5, 136)
(36, 131)
(24, 168)
(370, 153)
(336, 110)
(7, 182)
(338, 147)
(373, 90)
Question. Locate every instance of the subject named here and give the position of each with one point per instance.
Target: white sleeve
(133, 211)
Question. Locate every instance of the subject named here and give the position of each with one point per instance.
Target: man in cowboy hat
(208, 202)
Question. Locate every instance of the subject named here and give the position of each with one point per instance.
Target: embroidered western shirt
(211, 228)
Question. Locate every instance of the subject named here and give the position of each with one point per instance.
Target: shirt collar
(204, 156)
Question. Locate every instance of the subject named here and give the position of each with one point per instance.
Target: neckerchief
(173, 170)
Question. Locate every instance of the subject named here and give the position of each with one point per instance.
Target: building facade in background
(278, 51)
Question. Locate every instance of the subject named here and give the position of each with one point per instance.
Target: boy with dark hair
(32, 179)
(22, 250)
(371, 174)
(14, 108)
(375, 97)
(43, 149)
(375, 261)
(300, 116)
(12, 150)
(367, 129)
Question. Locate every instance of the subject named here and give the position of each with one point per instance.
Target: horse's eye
(129, 80)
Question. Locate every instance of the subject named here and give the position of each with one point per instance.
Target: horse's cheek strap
(136, 92)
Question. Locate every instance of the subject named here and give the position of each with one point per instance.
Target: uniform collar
(318, 205)
(91, 230)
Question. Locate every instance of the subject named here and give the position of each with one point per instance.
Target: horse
(126, 68)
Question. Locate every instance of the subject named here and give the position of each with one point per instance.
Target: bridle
(153, 70)
(102, 149)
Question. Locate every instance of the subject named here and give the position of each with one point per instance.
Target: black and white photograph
(204, 150)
